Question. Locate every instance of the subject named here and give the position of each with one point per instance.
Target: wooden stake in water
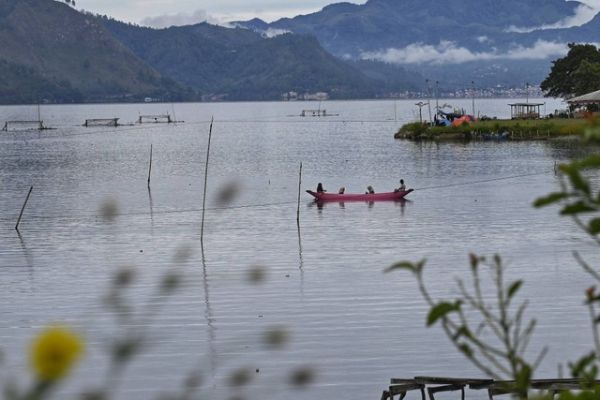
(299, 189)
(150, 166)
(206, 180)
(23, 208)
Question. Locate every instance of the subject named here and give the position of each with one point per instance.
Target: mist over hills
(457, 41)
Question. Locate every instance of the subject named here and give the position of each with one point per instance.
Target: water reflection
(208, 314)
(321, 205)
(151, 204)
(301, 266)
(26, 251)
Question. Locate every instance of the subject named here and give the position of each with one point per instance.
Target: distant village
(495, 92)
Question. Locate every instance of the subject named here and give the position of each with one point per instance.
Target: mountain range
(54, 53)
(494, 43)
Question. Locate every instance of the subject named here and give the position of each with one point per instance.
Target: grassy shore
(542, 129)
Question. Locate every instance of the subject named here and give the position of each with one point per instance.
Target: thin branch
(586, 266)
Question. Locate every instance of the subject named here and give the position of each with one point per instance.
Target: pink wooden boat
(389, 196)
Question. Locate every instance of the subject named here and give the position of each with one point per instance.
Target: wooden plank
(398, 389)
(445, 388)
(434, 380)
(403, 388)
(395, 381)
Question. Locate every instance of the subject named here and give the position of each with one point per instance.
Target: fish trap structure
(10, 126)
(316, 113)
(99, 122)
(156, 119)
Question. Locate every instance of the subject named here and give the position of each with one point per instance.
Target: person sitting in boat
(320, 188)
(370, 190)
(342, 190)
(402, 187)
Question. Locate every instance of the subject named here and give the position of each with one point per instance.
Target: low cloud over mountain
(584, 13)
(180, 19)
(447, 52)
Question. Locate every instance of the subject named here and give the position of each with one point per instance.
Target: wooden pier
(432, 385)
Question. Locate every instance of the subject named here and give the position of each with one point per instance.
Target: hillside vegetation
(53, 52)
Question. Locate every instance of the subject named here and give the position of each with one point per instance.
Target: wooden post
(150, 166)
(299, 189)
(206, 180)
(23, 208)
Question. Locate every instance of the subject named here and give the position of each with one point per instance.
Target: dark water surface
(353, 325)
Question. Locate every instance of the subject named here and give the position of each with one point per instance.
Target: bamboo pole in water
(150, 166)
(205, 180)
(23, 209)
(299, 189)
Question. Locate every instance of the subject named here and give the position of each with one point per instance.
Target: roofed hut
(591, 101)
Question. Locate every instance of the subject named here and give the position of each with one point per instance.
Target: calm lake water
(354, 326)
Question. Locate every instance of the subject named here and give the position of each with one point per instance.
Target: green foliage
(416, 268)
(587, 77)
(569, 75)
(502, 354)
(441, 310)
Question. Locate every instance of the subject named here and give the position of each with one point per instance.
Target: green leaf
(594, 226)
(576, 208)
(550, 199)
(462, 331)
(466, 349)
(592, 161)
(514, 288)
(577, 180)
(440, 311)
(523, 379)
(407, 265)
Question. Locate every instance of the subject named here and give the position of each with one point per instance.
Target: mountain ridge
(61, 47)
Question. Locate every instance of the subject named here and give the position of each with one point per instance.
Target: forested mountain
(240, 64)
(51, 52)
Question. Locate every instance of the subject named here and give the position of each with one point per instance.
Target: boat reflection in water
(320, 205)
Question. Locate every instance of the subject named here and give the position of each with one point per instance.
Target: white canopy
(589, 98)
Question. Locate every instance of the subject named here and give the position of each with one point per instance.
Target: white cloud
(179, 19)
(483, 39)
(272, 32)
(450, 53)
(584, 13)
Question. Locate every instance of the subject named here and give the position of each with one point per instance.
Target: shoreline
(498, 130)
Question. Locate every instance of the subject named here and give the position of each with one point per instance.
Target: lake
(348, 322)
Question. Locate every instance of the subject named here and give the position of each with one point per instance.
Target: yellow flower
(54, 352)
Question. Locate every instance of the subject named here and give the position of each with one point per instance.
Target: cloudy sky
(192, 11)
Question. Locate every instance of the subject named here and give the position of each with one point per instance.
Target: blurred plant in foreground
(501, 354)
(581, 202)
(492, 334)
(56, 350)
(53, 354)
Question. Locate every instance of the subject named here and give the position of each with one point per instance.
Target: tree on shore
(575, 74)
